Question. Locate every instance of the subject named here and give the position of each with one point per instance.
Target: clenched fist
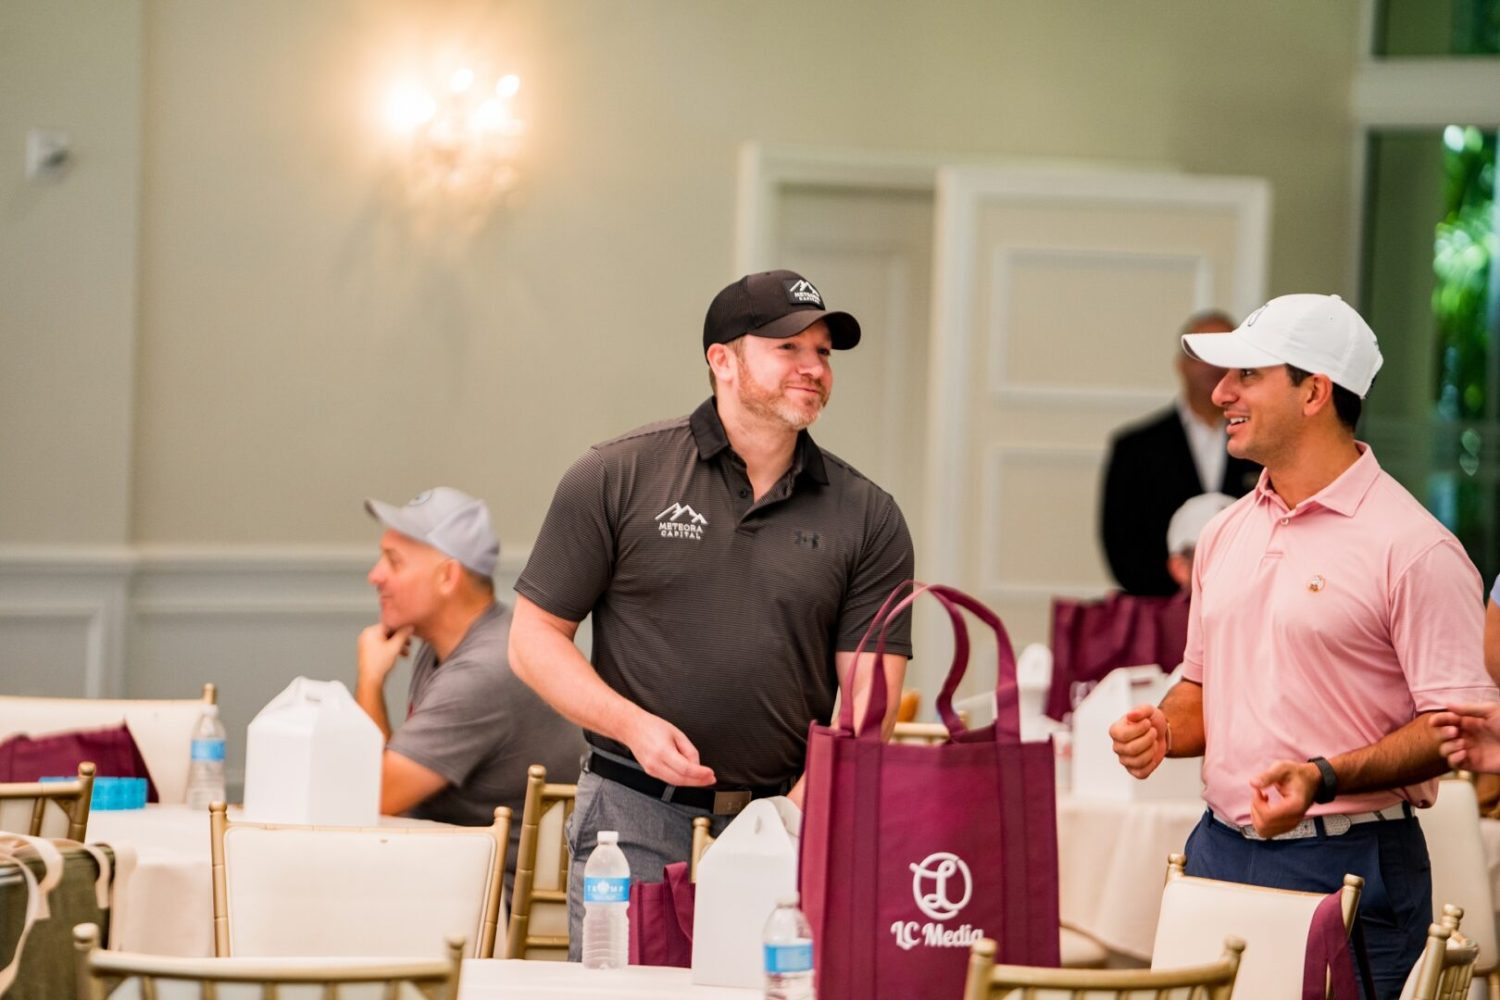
(1140, 739)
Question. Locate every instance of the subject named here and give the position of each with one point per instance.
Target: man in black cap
(731, 567)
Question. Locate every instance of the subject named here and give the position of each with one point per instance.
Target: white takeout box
(1097, 772)
(312, 756)
(748, 868)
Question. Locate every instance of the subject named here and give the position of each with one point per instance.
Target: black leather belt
(719, 801)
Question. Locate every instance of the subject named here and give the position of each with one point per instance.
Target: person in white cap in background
(1188, 522)
(472, 727)
(1329, 613)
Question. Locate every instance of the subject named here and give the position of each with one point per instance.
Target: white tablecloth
(163, 899)
(497, 979)
(1112, 861)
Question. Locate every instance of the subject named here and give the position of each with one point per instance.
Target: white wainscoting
(158, 623)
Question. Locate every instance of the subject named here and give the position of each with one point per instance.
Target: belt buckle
(728, 803)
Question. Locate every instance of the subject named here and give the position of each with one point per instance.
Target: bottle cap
(609, 836)
(790, 899)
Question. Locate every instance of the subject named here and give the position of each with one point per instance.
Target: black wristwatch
(1328, 785)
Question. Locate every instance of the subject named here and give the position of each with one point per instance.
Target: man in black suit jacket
(1152, 470)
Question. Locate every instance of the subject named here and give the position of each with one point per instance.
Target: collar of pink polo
(1342, 496)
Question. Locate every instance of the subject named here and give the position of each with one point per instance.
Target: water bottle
(789, 952)
(206, 765)
(606, 902)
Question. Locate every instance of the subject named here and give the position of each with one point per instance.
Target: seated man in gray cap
(472, 727)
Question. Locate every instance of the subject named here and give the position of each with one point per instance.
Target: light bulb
(409, 106)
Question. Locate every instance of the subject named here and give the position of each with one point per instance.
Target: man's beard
(772, 405)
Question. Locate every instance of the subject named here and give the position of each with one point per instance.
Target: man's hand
(378, 652)
(1470, 735)
(1295, 784)
(664, 752)
(1140, 739)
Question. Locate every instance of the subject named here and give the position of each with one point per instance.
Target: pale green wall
(303, 341)
(68, 271)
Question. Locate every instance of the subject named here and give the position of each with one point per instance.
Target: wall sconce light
(463, 135)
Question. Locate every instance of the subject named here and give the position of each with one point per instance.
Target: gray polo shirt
(473, 721)
(716, 612)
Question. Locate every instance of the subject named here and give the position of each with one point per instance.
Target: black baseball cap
(775, 304)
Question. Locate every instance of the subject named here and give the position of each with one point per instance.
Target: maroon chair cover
(661, 919)
(112, 749)
(912, 853)
(1091, 638)
(1328, 957)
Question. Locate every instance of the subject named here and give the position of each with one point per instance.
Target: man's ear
(1317, 394)
(721, 362)
(449, 574)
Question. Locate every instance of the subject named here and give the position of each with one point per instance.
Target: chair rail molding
(122, 605)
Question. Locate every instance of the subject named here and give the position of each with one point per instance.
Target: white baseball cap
(1321, 334)
(450, 521)
(1191, 518)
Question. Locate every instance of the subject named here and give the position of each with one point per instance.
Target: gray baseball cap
(450, 521)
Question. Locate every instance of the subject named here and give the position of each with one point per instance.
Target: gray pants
(653, 834)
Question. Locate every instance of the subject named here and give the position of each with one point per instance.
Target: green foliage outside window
(1463, 306)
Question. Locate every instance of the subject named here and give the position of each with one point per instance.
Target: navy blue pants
(1390, 855)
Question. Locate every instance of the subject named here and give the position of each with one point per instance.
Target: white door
(870, 253)
(1057, 295)
(1013, 317)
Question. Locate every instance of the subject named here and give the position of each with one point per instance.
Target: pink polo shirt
(1324, 628)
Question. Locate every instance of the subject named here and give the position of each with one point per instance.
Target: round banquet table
(499, 979)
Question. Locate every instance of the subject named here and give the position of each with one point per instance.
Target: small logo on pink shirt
(1316, 584)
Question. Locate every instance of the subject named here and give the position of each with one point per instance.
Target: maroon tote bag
(910, 853)
(661, 919)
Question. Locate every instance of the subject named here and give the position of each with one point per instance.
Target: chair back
(1460, 870)
(1197, 914)
(1210, 981)
(702, 841)
(920, 733)
(162, 729)
(1447, 964)
(924, 733)
(101, 973)
(281, 890)
(24, 803)
(539, 899)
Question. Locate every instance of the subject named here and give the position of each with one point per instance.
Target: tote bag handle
(1007, 727)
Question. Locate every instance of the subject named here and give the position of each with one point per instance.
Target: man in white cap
(1188, 522)
(1329, 613)
(472, 727)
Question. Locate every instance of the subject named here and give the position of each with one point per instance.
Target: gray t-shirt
(473, 721)
(711, 609)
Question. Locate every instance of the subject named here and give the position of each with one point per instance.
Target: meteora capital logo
(802, 292)
(679, 520)
(941, 886)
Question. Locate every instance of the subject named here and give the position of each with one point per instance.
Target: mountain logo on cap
(1250, 320)
(419, 499)
(801, 293)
